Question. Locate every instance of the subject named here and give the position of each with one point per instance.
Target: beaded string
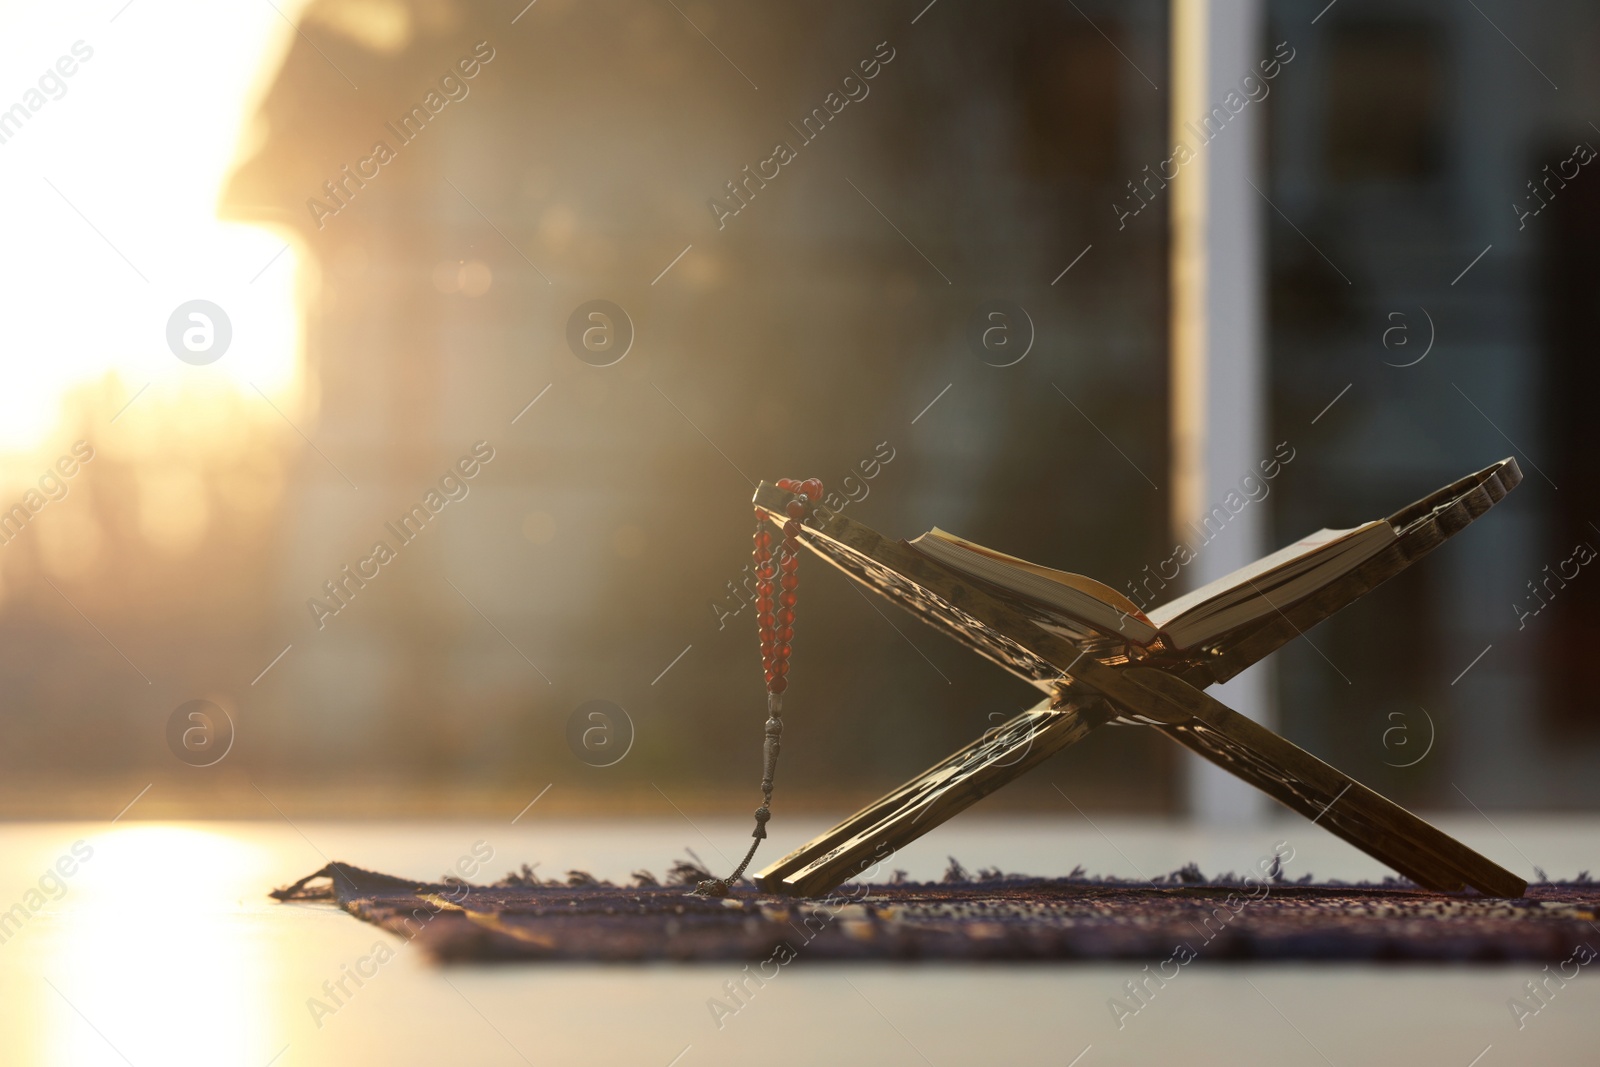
(775, 622)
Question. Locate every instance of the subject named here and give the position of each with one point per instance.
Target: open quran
(1251, 593)
(1099, 660)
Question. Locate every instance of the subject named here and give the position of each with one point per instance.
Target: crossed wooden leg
(1276, 766)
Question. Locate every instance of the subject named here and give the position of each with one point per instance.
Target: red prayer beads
(778, 564)
(776, 631)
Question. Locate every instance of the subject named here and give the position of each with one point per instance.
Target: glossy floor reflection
(156, 944)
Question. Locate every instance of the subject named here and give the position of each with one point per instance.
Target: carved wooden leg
(1322, 793)
(874, 833)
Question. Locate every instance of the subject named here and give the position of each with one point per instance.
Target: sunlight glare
(156, 918)
(117, 177)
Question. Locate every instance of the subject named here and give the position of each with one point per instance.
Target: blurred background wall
(826, 328)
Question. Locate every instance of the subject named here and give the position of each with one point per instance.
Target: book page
(1307, 546)
(1087, 586)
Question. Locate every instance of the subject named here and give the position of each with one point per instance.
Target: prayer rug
(983, 916)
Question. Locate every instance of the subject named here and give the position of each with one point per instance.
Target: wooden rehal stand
(1092, 683)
